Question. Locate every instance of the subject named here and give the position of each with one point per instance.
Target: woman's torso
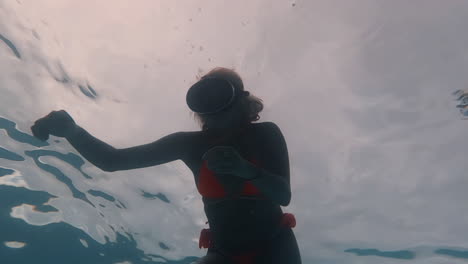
(242, 218)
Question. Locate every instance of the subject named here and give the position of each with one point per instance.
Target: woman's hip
(281, 248)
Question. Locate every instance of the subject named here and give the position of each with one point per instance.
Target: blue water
(58, 242)
(379, 162)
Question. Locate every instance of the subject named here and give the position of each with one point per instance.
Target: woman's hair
(251, 104)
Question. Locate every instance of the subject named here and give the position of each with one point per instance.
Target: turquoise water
(362, 91)
(24, 242)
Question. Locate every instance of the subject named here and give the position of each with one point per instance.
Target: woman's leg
(282, 249)
(213, 257)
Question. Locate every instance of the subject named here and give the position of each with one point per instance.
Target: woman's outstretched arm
(168, 148)
(106, 157)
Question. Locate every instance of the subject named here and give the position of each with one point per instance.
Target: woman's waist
(240, 242)
(248, 212)
(244, 223)
(244, 226)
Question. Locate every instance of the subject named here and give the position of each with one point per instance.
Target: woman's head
(244, 110)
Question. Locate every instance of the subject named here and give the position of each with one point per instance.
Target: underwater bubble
(15, 244)
(85, 244)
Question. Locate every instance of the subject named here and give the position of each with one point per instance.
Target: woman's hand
(226, 160)
(57, 123)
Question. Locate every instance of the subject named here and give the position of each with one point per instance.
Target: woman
(240, 168)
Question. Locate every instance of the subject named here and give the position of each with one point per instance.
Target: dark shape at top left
(12, 46)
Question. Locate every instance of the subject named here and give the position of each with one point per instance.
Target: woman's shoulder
(261, 127)
(266, 131)
(268, 126)
(270, 132)
(190, 135)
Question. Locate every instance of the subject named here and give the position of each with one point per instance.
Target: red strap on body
(205, 239)
(288, 220)
(246, 258)
(209, 186)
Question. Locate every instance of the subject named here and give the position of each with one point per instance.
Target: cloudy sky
(361, 90)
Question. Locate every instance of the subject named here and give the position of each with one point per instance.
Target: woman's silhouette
(240, 168)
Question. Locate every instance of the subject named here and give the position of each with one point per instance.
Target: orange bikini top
(208, 186)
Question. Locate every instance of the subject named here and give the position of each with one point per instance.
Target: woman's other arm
(272, 178)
